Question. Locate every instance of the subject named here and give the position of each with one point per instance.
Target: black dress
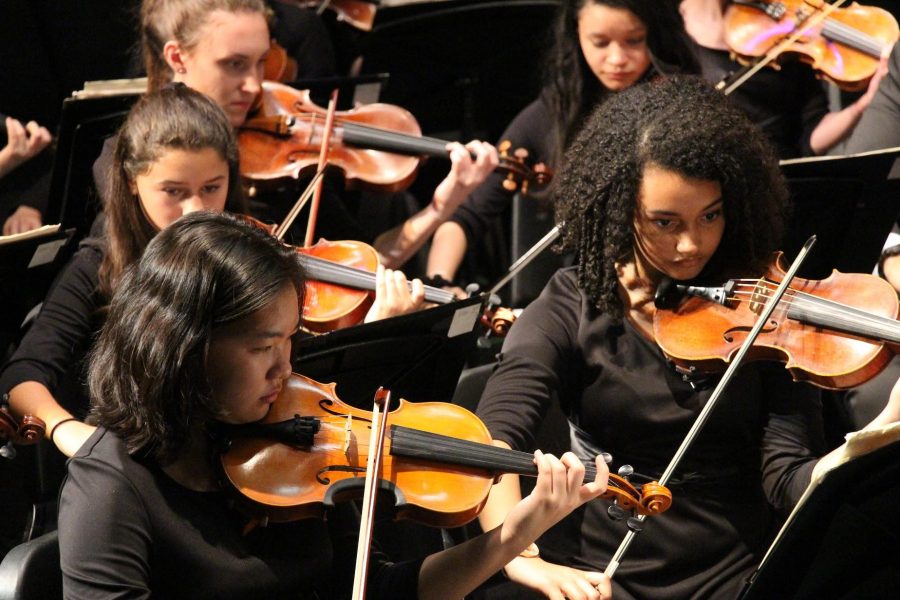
(787, 104)
(127, 530)
(620, 396)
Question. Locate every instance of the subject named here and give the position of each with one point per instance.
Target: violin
(376, 147)
(844, 48)
(29, 431)
(835, 333)
(340, 285)
(358, 13)
(310, 452)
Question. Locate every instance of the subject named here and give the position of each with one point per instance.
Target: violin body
(437, 461)
(268, 153)
(285, 483)
(329, 306)
(376, 147)
(829, 332)
(845, 48)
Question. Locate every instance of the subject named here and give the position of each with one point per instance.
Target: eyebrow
(670, 212)
(178, 182)
(267, 333)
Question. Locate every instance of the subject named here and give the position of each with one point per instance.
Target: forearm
(33, 398)
(398, 245)
(834, 127)
(471, 563)
(448, 248)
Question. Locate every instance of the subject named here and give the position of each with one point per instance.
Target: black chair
(31, 571)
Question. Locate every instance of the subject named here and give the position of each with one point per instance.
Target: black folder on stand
(843, 539)
(419, 356)
(849, 202)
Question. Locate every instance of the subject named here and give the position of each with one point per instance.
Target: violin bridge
(348, 433)
(759, 297)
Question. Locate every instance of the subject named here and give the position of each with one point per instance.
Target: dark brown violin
(311, 450)
(835, 333)
(358, 13)
(376, 146)
(844, 47)
(29, 431)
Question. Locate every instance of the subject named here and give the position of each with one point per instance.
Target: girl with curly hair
(143, 512)
(599, 47)
(665, 180)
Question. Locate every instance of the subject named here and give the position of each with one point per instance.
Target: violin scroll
(519, 175)
(29, 431)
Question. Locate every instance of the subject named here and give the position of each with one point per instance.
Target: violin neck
(851, 37)
(835, 316)
(433, 447)
(329, 272)
(373, 138)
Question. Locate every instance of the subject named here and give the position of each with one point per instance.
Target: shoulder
(535, 119)
(106, 449)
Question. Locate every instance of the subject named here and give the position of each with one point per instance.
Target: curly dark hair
(572, 90)
(680, 124)
(173, 118)
(147, 376)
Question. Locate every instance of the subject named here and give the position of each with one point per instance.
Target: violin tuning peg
(607, 457)
(509, 184)
(8, 451)
(615, 512)
(635, 524)
(626, 471)
(520, 153)
(503, 147)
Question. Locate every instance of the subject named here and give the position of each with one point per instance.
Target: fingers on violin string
(418, 291)
(574, 470)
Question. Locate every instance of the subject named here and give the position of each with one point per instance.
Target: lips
(271, 396)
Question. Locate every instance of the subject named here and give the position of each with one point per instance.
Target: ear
(174, 57)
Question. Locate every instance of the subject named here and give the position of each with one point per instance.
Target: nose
(282, 368)
(688, 243)
(192, 204)
(252, 83)
(615, 54)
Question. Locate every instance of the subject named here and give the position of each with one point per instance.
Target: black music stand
(418, 356)
(352, 91)
(849, 202)
(84, 126)
(843, 541)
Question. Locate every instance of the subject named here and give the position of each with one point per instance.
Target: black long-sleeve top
(786, 104)
(54, 349)
(620, 396)
(533, 130)
(127, 530)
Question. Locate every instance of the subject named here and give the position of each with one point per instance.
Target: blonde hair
(181, 21)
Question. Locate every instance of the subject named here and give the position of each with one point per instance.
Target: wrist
(532, 551)
(55, 428)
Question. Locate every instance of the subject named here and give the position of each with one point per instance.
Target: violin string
(400, 141)
(832, 312)
(330, 272)
(415, 443)
(850, 36)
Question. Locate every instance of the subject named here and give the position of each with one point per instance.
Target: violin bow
(636, 524)
(282, 229)
(373, 468)
(323, 161)
(524, 260)
(811, 21)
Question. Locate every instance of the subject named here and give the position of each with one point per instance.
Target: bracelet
(531, 551)
(53, 431)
